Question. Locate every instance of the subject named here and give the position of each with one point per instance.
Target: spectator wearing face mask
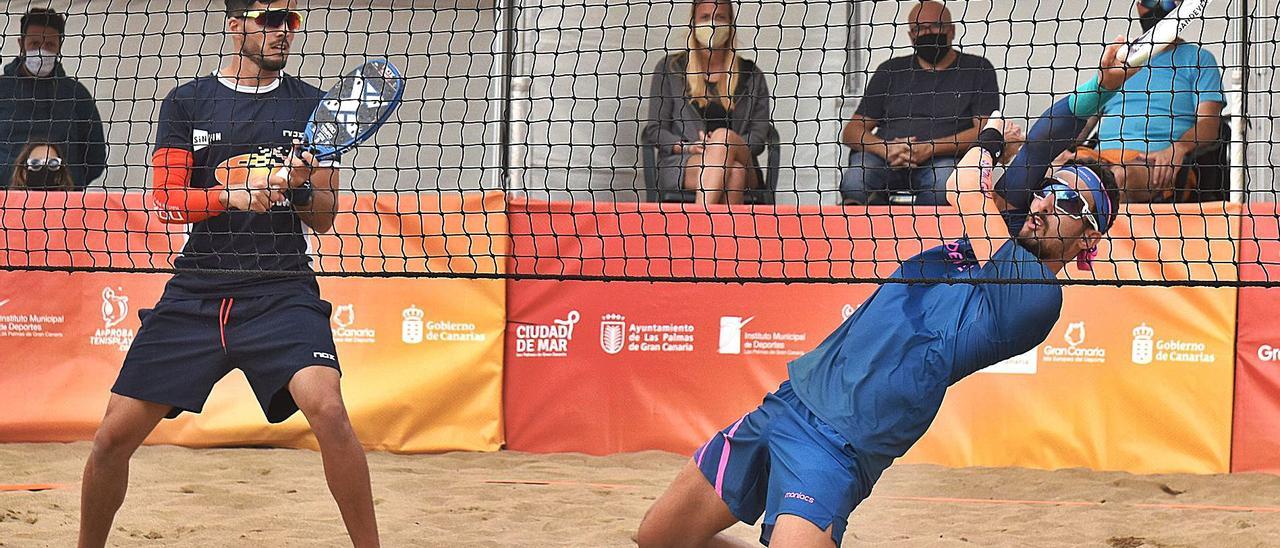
(919, 114)
(38, 98)
(40, 167)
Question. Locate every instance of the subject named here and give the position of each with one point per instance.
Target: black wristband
(991, 140)
(302, 195)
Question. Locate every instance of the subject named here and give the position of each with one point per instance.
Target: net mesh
(537, 139)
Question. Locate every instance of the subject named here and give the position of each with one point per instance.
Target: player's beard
(264, 62)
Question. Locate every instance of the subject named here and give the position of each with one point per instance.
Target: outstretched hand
(1114, 67)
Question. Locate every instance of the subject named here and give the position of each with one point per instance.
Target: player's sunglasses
(1068, 201)
(273, 19)
(37, 164)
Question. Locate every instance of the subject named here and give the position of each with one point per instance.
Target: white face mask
(715, 36)
(40, 62)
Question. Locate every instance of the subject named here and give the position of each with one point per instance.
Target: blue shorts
(781, 459)
(185, 346)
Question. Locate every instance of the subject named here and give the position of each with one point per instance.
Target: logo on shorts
(798, 496)
(324, 356)
(115, 309)
(344, 329)
(613, 329)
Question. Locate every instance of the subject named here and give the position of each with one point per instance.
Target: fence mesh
(591, 140)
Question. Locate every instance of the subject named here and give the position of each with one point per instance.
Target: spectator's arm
(858, 135)
(951, 145)
(662, 111)
(757, 137)
(1205, 133)
(95, 142)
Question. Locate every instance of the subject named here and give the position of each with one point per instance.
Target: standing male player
(814, 448)
(218, 140)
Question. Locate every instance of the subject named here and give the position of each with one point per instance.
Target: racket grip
(284, 173)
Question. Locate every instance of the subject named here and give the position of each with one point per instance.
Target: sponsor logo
(613, 330)
(1022, 364)
(324, 356)
(414, 329)
(294, 134)
(1268, 353)
(29, 325)
(114, 309)
(846, 311)
(345, 329)
(546, 340)
(201, 138)
(1075, 351)
(960, 255)
(1148, 349)
(1143, 349)
(616, 335)
(798, 496)
(735, 339)
(411, 326)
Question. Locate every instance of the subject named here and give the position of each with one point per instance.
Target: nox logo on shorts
(324, 356)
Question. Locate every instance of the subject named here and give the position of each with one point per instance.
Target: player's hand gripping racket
(1161, 36)
(352, 111)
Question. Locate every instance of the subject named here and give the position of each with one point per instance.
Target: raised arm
(969, 189)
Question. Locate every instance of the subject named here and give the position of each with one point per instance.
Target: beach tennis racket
(353, 110)
(1161, 36)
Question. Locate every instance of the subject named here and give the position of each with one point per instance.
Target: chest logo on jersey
(293, 134)
(201, 138)
(239, 169)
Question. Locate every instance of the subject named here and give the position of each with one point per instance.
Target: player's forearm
(320, 213)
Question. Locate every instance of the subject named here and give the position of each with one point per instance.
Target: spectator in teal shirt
(1166, 114)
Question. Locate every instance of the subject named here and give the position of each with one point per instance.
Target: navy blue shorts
(782, 459)
(185, 346)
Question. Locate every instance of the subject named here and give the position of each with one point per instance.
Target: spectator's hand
(1114, 69)
(898, 153)
(920, 153)
(1164, 166)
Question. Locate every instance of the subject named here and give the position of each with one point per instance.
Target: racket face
(354, 109)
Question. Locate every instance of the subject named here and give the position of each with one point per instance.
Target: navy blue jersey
(233, 131)
(880, 377)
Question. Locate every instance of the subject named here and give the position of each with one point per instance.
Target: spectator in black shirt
(918, 116)
(38, 98)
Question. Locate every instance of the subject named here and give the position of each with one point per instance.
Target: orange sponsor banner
(1120, 358)
(422, 357)
(1256, 442)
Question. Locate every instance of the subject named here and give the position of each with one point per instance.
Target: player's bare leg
(125, 425)
(689, 514)
(317, 392)
(796, 532)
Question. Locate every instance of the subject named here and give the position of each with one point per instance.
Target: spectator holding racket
(1167, 114)
(219, 140)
